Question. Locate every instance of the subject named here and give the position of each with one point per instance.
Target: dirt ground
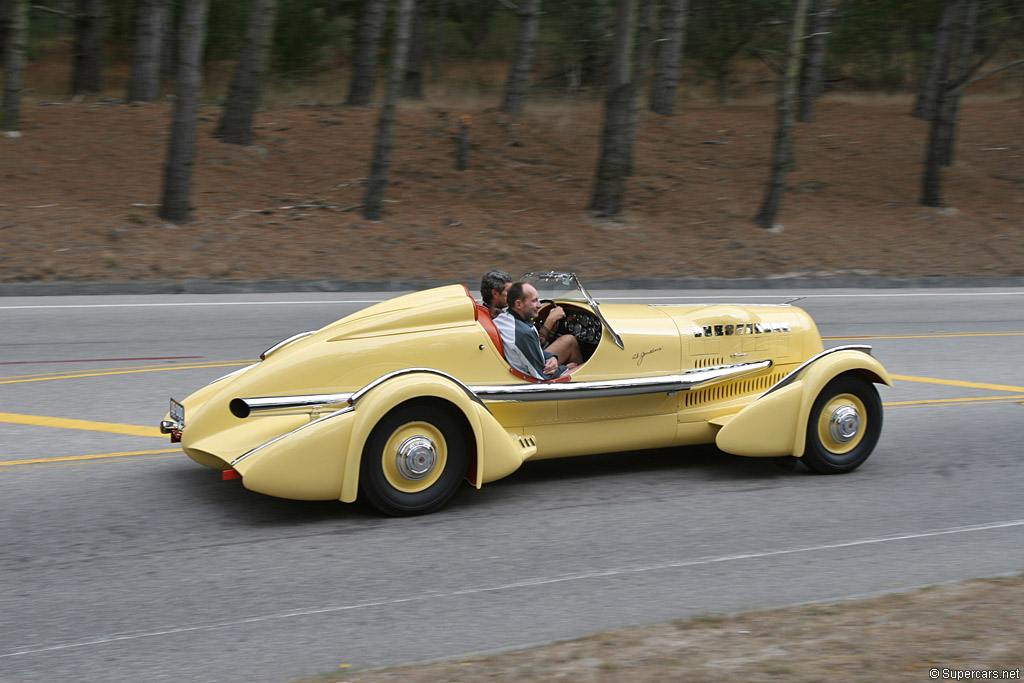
(78, 194)
(974, 625)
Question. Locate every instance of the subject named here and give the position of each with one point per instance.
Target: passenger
(493, 290)
(525, 353)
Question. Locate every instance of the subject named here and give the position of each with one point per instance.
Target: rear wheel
(414, 460)
(844, 425)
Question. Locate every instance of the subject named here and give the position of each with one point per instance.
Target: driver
(525, 352)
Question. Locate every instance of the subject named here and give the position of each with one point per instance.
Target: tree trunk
(783, 157)
(364, 62)
(613, 164)
(416, 63)
(948, 87)
(235, 125)
(378, 181)
(670, 57)
(14, 65)
(938, 64)
(522, 60)
(646, 17)
(439, 30)
(6, 7)
(90, 24)
(813, 73)
(181, 147)
(150, 24)
(961, 67)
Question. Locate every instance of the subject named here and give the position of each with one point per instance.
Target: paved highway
(122, 560)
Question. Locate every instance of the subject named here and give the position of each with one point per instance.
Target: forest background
(493, 131)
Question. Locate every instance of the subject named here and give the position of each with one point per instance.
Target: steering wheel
(545, 310)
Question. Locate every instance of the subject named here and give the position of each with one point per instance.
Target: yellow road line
(951, 401)
(98, 456)
(142, 368)
(85, 425)
(957, 383)
(938, 335)
(119, 372)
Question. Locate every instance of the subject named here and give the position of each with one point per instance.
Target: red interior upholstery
(483, 316)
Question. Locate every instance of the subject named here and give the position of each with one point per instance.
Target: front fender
(775, 424)
(497, 454)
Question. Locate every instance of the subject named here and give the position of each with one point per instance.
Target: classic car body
(403, 400)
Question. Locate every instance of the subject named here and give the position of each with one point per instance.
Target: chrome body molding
(685, 381)
(289, 340)
(242, 407)
(336, 413)
(791, 377)
(239, 371)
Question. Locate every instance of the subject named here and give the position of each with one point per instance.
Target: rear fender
(496, 452)
(775, 424)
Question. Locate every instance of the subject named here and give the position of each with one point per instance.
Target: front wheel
(414, 460)
(844, 425)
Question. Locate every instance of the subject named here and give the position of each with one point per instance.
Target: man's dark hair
(515, 293)
(493, 279)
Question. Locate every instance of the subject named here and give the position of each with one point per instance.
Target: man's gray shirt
(522, 346)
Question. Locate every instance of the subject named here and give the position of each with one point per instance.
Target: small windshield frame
(567, 287)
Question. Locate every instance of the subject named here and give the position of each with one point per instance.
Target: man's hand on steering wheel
(548, 329)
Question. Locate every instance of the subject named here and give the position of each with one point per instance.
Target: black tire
(844, 425)
(414, 460)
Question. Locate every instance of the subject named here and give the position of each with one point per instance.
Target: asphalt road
(138, 564)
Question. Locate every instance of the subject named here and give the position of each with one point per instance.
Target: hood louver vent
(724, 392)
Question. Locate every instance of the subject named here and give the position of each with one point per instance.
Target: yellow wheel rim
(842, 423)
(414, 457)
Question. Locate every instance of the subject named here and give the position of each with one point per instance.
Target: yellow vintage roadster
(401, 401)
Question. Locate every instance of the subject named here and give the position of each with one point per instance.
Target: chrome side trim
(242, 407)
(686, 381)
(289, 340)
(791, 377)
(336, 413)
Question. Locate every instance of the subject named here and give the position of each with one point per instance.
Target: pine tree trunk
(181, 147)
(438, 53)
(613, 164)
(364, 62)
(6, 7)
(961, 66)
(646, 18)
(378, 181)
(813, 73)
(931, 181)
(783, 156)
(937, 70)
(416, 65)
(235, 125)
(90, 25)
(522, 60)
(150, 23)
(14, 65)
(670, 57)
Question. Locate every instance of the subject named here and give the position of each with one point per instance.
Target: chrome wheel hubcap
(417, 457)
(844, 424)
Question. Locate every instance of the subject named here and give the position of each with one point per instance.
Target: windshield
(567, 287)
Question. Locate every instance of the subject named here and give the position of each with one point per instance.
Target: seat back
(483, 316)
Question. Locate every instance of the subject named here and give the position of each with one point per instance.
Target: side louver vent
(526, 442)
(708, 362)
(724, 392)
